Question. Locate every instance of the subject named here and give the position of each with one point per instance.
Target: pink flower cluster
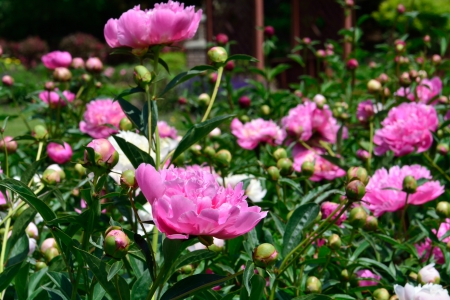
(54, 100)
(426, 91)
(406, 128)
(57, 59)
(255, 132)
(426, 248)
(384, 190)
(188, 203)
(166, 23)
(166, 131)
(306, 121)
(323, 169)
(327, 208)
(98, 114)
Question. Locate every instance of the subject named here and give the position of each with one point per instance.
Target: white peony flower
(426, 292)
(429, 274)
(254, 190)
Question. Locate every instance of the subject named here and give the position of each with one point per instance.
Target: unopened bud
(274, 173)
(182, 100)
(405, 80)
(395, 297)
(265, 110)
(373, 86)
(429, 274)
(51, 177)
(436, 59)
(320, 101)
(40, 133)
(222, 39)
(142, 76)
(358, 217)
(443, 209)
(371, 223)
(443, 99)
(345, 276)
(358, 173)
(32, 231)
(7, 80)
(307, 168)
(7, 144)
(94, 65)
(40, 265)
(401, 9)
(321, 53)
(116, 243)
(204, 99)
(352, 64)
(187, 269)
(223, 157)
(383, 78)
(49, 86)
(62, 74)
(218, 54)
(409, 184)
(245, 102)
(229, 66)
(313, 285)
(400, 46)
(51, 253)
(125, 124)
(80, 169)
(355, 190)
(280, 153)
(265, 255)
(105, 154)
(128, 179)
(209, 152)
(269, 31)
(334, 241)
(285, 166)
(381, 294)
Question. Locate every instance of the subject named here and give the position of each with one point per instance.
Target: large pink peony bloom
(323, 169)
(57, 59)
(257, 131)
(426, 248)
(59, 153)
(426, 91)
(166, 131)
(98, 114)
(54, 100)
(306, 121)
(406, 128)
(166, 23)
(367, 274)
(365, 111)
(193, 203)
(327, 208)
(381, 198)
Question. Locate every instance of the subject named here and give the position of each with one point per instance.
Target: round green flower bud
(265, 255)
(307, 168)
(265, 110)
(443, 209)
(357, 173)
(218, 54)
(285, 166)
(409, 184)
(50, 254)
(196, 149)
(355, 190)
(80, 169)
(40, 265)
(40, 133)
(223, 158)
(381, 294)
(334, 242)
(442, 148)
(358, 217)
(187, 269)
(203, 99)
(244, 118)
(313, 285)
(125, 124)
(51, 177)
(128, 179)
(142, 76)
(395, 297)
(345, 276)
(374, 86)
(116, 243)
(280, 153)
(209, 152)
(371, 223)
(274, 173)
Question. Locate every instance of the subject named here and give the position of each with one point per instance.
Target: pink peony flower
(306, 121)
(57, 59)
(94, 65)
(98, 114)
(257, 131)
(54, 100)
(58, 153)
(166, 131)
(426, 248)
(193, 203)
(365, 111)
(166, 23)
(406, 128)
(381, 198)
(426, 91)
(367, 274)
(327, 208)
(77, 63)
(362, 154)
(323, 169)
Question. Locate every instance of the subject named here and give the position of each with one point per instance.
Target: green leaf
(99, 292)
(186, 286)
(278, 70)
(19, 251)
(241, 57)
(128, 92)
(444, 45)
(148, 253)
(140, 287)
(314, 193)
(132, 112)
(35, 279)
(133, 153)
(115, 268)
(373, 263)
(62, 282)
(29, 197)
(121, 50)
(170, 250)
(197, 132)
(295, 185)
(313, 297)
(30, 170)
(122, 288)
(194, 257)
(278, 223)
(248, 274)
(19, 228)
(21, 282)
(184, 76)
(297, 58)
(258, 285)
(300, 219)
(8, 275)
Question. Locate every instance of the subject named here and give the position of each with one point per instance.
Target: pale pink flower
(99, 114)
(384, 190)
(363, 274)
(426, 91)
(323, 169)
(257, 131)
(193, 203)
(77, 63)
(365, 111)
(53, 99)
(57, 59)
(166, 131)
(327, 208)
(406, 129)
(59, 153)
(166, 23)
(426, 248)
(306, 121)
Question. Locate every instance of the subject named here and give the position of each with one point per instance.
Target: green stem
(5, 239)
(403, 221)
(155, 240)
(214, 94)
(352, 237)
(6, 156)
(436, 166)
(369, 160)
(158, 148)
(150, 133)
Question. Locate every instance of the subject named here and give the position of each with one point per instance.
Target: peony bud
(443, 99)
(59, 153)
(222, 39)
(105, 154)
(401, 9)
(116, 243)
(204, 99)
(142, 76)
(40, 265)
(229, 66)
(128, 179)
(86, 77)
(7, 144)
(400, 46)
(280, 153)
(217, 54)
(306, 40)
(345, 276)
(125, 124)
(381, 294)
(265, 255)
(349, 3)
(427, 39)
(51, 253)
(77, 63)
(223, 158)
(269, 31)
(244, 102)
(285, 166)
(307, 168)
(373, 65)
(1, 51)
(409, 184)
(62, 74)
(274, 173)
(429, 274)
(373, 86)
(182, 100)
(313, 285)
(358, 173)
(436, 59)
(32, 231)
(47, 244)
(358, 217)
(298, 93)
(51, 177)
(443, 209)
(371, 223)
(352, 64)
(7, 80)
(362, 154)
(49, 86)
(213, 78)
(405, 80)
(80, 169)
(383, 78)
(244, 118)
(321, 53)
(265, 110)
(355, 190)
(209, 152)
(94, 65)
(187, 269)
(334, 241)
(40, 133)
(319, 100)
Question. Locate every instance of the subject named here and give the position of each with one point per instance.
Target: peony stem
(6, 156)
(436, 166)
(403, 221)
(149, 122)
(369, 160)
(214, 94)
